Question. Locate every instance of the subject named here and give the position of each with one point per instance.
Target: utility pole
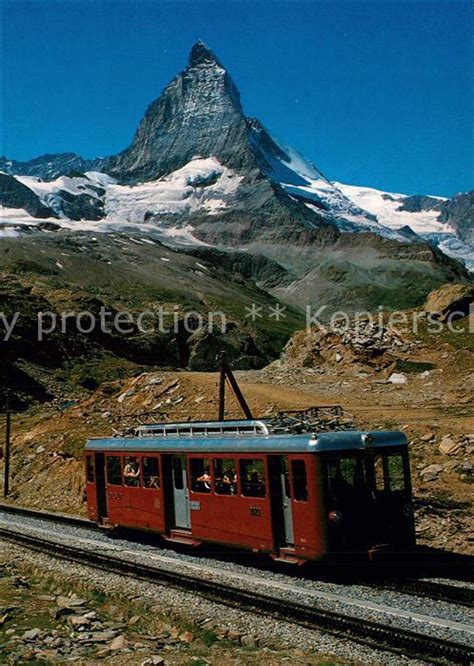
(222, 386)
(6, 469)
(226, 373)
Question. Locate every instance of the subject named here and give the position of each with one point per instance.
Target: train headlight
(335, 517)
(368, 440)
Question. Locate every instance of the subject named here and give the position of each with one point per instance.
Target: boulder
(429, 437)
(449, 302)
(358, 341)
(449, 447)
(119, 643)
(69, 602)
(398, 378)
(431, 472)
(135, 619)
(78, 621)
(31, 634)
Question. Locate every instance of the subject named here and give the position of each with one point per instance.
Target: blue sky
(374, 93)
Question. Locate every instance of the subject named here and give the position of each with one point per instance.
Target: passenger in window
(131, 472)
(256, 484)
(205, 479)
(153, 482)
(229, 481)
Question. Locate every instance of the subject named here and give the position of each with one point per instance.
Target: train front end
(366, 483)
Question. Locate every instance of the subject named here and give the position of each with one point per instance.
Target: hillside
(433, 406)
(161, 298)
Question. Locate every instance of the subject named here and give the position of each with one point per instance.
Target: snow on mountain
(305, 183)
(198, 167)
(52, 192)
(159, 206)
(385, 206)
(390, 211)
(201, 185)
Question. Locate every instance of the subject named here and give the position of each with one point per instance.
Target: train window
(151, 473)
(199, 432)
(300, 481)
(225, 476)
(396, 472)
(90, 469)
(346, 475)
(200, 475)
(131, 471)
(252, 474)
(381, 474)
(114, 471)
(286, 477)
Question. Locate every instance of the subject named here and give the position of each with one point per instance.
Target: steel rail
(41, 514)
(421, 588)
(367, 632)
(439, 591)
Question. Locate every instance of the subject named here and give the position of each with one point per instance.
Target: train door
(286, 496)
(281, 500)
(102, 511)
(180, 492)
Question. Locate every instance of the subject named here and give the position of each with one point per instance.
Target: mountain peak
(201, 54)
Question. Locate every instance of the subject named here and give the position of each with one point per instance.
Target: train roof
(343, 440)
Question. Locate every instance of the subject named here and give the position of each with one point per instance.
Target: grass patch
(91, 373)
(457, 334)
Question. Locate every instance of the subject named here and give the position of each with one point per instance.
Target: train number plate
(195, 506)
(114, 495)
(255, 511)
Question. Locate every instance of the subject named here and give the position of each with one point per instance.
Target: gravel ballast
(439, 619)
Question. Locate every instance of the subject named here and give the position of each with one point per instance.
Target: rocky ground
(385, 377)
(49, 615)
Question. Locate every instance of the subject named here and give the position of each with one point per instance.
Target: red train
(297, 497)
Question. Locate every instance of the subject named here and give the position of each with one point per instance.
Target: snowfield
(203, 184)
(161, 207)
(157, 207)
(304, 182)
(385, 206)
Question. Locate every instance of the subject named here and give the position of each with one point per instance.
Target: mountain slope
(198, 114)
(198, 172)
(445, 223)
(112, 279)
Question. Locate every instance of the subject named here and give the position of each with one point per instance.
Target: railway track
(440, 591)
(51, 516)
(419, 587)
(374, 634)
